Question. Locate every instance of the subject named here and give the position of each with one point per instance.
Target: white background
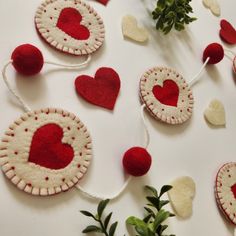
(194, 148)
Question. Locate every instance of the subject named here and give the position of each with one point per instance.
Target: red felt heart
(168, 94)
(69, 22)
(104, 2)
(47, 150)
(227, 32)
(102, 90)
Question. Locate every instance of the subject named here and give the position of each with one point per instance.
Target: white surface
(193, 149)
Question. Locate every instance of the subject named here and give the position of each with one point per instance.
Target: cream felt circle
(71, 26)
(166, 95)
(225, 191)
(46, 152)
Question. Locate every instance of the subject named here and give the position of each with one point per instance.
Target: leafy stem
(170, 14)
(103, 224)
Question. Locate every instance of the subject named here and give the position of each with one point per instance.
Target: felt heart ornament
(131, 30)
(213, 5)
(225, 191)
(72, 27)
(102, 90)
(215, 113)
(227, 32)
(45, 152)
(181, 196)
(166, 95)
(70, 22)
(47, 149)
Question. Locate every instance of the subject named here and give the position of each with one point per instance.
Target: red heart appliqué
(102, 90)
(47, 150)
(69, 22)
(168, 94)
(104, 2)
(227, 32)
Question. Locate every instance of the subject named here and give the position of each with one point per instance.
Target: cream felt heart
(131, 30)
(215, 113)
(181, 196)
(213, 5)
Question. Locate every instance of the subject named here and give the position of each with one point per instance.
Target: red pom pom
(27, 59)
(137, 161)
(215, 52)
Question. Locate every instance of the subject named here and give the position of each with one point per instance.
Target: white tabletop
(194, 148)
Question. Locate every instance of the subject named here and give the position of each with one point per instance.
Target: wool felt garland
(48, 151)
(166, 94)
(227, 32)
(102, 90)
(71, 26)
(225, 191)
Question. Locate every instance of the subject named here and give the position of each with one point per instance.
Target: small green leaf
(113, 229)
(165, 189)
(86, 213)
(92, 228)
(107, 220)
(152, 190)
(161, 216)
(154, 201)
(162, 203)
(101, 206)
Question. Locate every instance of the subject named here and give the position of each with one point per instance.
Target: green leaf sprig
(170, 14)
(103, 225)
(152, 223)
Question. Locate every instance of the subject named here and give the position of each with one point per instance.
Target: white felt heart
(131, 30)
(213, 5)
(215, 113)
(181, 196)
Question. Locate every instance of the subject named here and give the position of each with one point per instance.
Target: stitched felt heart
(102, 90)
(69, 22)
(168, 94)
(227, 32)
(47, 149)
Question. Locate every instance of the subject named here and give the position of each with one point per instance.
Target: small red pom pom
(137, 161)
(27, 59)
(215, 52)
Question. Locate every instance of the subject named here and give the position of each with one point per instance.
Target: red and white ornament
(46, 152)
(167, 95)
(71, 26)
(225, 191)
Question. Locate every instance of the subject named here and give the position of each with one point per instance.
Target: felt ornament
(213, 5)
(102, 90)
(215, 113)
(71, 26)
(181, 196)
(227, 32)
(131, 30)
(225, 191)
(48, 151)
(104, 2)
(167, 95)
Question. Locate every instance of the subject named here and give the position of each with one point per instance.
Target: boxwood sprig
(170, 14)
(153, 222)
(102, 221)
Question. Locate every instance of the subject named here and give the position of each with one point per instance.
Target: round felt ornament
(214, 52)
(71, 26)
(46, 151)
(166, 95)
(225, 191)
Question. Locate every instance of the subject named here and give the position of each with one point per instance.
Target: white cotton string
(77, 66)
(117, 194)
(111, 197)
(147, 141)
(197, 76)
(20, 100)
